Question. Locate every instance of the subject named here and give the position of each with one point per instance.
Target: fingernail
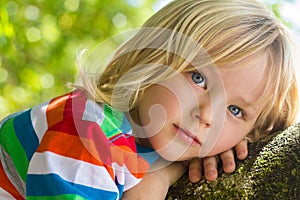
(228, 164)
(210, 172)
(240, 152)
(194, 178)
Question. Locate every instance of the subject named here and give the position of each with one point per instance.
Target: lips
(187, 136)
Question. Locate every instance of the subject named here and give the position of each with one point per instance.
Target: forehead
(246, 79)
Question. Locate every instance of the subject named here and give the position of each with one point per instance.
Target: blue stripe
(25, 133)
(125, 127)
(116, 137)
(147, 153)
(119, 136)
(54, 185)
(120, 188)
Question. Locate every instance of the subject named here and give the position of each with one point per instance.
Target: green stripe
(65, 197)
(13, 147)
(112, 122)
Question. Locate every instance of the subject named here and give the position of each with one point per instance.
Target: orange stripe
(55, 110)
(84, 149)
(73, 147)
(69, 146)
(7, 185)
(123, 155)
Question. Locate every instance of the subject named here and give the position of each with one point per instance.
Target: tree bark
(271, 171)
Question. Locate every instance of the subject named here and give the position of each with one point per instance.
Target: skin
(155, 183)
(180, 117)
(209, 164)
(243, 82)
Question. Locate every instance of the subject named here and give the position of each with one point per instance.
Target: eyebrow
(248, 107)
(244, 101)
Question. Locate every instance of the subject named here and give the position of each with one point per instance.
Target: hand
(156, 182)
(210, 163)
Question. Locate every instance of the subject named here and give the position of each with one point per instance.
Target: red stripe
(69, 113)
(7, 185)
(81, 130)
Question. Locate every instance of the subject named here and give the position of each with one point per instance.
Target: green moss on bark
(271, 171)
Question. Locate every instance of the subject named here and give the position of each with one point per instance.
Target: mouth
(187, 136)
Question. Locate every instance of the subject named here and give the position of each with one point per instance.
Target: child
(193, 82)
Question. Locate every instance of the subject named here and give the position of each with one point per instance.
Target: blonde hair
(228, 30)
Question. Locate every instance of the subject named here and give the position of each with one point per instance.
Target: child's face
(204, 112)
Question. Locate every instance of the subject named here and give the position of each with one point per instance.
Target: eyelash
(201, 78)
(241, 112)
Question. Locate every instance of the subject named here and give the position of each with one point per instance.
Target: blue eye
(199, 79)
(236, 111)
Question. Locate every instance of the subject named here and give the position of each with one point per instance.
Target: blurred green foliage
(40, 39)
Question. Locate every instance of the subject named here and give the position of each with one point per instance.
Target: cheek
(158, 108)
(230, 136)
(164, 102)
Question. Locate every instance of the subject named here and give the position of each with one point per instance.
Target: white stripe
(72, 170)
(125, 177)
(4, 195)
(39, 119)
(93, 112)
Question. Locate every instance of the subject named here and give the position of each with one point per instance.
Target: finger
(210, 168)
(241, 149)
(228, 161)
(186, 163)
(195, 170)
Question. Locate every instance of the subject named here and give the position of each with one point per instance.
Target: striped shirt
(70, 148)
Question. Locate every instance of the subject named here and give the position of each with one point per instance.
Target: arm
(156, 182)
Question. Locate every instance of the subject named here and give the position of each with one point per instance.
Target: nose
(202, 112)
